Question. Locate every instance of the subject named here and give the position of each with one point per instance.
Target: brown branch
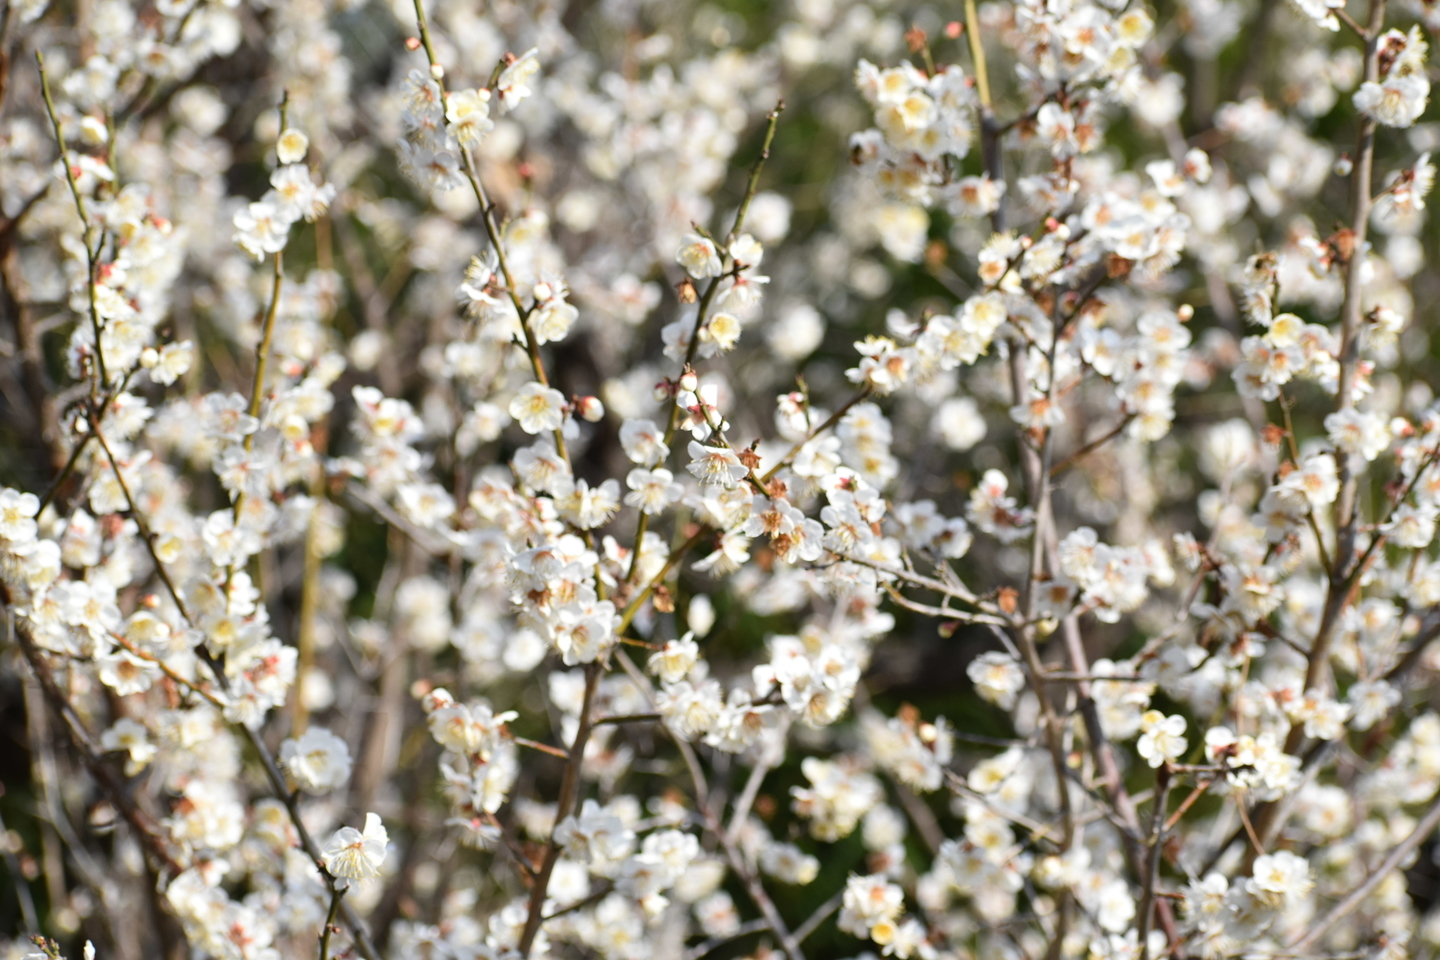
(146, 830)
(1152, 864)
(542, 747)
(1089, 448)
(569, 793)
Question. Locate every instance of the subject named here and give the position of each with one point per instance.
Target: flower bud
(437, 72)
(689, 382)
(590, 409)
(93, 131)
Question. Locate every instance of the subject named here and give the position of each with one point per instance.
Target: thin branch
(262, 359)
(733, 855)
(421, 538)
(1152, 865)
(676, 555)
(272, 771)
(959, 593)
(1037, 829)
(596, 897)
(146, 830)
(629, 718)
(830, 421)
(1397, 856)
(715, 943)
(977, 54)
(146, 534)
(91, 255)
(569, 793)
(747, 799)
(1346, 515)
(1187, 803)
(1089, 448)
(702, 311)
(542, 747)
(336, 896)
(821, 914)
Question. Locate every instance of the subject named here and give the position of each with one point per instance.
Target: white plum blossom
(17, 515)
(318, 761)
(352, 854)
(292, 145)
(715, 466)
(699, 257)
(538, 408)
(998, 677)
(468, 112)
(513, 84)
(1400, 97)
(1162, 738)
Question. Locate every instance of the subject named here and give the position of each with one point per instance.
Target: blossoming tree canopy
(816, 479)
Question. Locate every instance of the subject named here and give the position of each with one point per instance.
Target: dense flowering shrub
(507, 480)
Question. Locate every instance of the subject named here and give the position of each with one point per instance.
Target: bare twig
(1152, 864)
(569, 794)
(336, 896)
(821, 914)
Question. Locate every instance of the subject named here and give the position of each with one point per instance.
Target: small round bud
(689, 382)
(1343, 165)
(412, 44)
(953, 29)
(1185, 312)
(590, 409)
(148, 357)
(93, 131)
(663, 391)
(436, 699)
(437, 72)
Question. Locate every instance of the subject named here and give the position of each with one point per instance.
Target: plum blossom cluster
(822, 480)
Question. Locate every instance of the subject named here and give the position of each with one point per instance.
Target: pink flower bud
(590, 409)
